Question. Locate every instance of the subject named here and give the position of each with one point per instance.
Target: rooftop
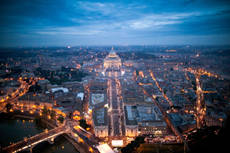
(80, 95)
(65, 90)
(143, 115)
(97, 98)
(100, 117)
(130, 115)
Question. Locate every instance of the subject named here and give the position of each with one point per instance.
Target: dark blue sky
(113, 22)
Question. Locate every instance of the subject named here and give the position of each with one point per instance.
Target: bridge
(87, 142)
(29, 143)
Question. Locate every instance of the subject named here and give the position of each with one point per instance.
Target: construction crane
(200, 103)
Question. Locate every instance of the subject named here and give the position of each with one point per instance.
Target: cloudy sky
(113, 22)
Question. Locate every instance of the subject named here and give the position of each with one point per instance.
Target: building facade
(112, 61)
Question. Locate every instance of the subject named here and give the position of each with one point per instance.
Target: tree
(45, 111)
(157, 99)
(194, 88)
(60, 118)
(8, 107)
(35, 88)
(83, 124)
(133, 145)
(137, 72)
(165, 90)
(53, 114)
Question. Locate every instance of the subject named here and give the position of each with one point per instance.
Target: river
(13, 130)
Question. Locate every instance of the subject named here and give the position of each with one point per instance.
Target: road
(44, 136)
(23, 88)
(116, 107)
(166, 117)
(87, 141)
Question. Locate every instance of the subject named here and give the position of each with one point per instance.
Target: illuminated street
(126, 76)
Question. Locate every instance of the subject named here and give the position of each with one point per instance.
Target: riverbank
(38, 120)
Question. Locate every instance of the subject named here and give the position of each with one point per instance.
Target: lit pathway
(166, 117)
(115, 106)
(34, 140)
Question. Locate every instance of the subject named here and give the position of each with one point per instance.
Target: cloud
(102, 8)
(68, 31)
(159, 20)
(112, 21)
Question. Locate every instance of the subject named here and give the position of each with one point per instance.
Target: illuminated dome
(112, 60)
(112, 54)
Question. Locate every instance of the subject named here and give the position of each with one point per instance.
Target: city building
(112, 61)
(100, 122)
(143, 120)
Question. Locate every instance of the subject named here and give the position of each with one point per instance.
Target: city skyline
(105, 76)
(115, 99)
(62, 23)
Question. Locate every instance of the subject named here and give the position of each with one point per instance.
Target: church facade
(112, 61)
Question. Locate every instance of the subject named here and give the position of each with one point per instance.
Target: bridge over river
(29, 143)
